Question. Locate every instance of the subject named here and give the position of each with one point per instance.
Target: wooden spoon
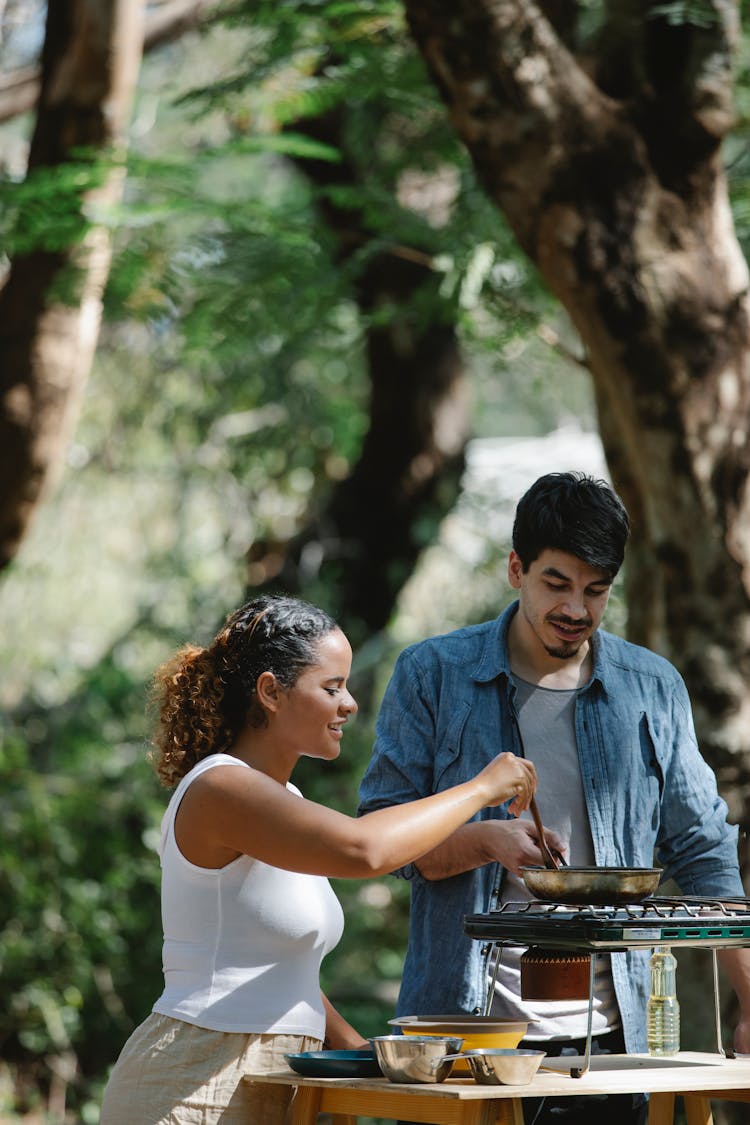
(547, 855)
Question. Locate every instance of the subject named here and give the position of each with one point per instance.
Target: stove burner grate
(684, 906)
(712, 923)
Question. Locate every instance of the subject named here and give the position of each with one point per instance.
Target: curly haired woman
(247, 911)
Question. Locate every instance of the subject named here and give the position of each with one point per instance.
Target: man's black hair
(575, 513)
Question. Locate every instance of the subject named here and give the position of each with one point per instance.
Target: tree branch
(672, 67)
(515, 93)
(542, 86)
(19, 89)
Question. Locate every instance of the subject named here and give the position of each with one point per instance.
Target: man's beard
(565, 651)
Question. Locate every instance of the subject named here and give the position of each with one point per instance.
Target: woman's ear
(268, 691)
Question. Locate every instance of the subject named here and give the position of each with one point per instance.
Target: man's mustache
(571, 622)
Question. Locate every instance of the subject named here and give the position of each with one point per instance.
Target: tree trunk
(363, 545)
(358, 551)
(614, 187)
(19, 88)
(50, 304)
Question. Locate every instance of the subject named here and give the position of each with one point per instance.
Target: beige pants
(174, 1073)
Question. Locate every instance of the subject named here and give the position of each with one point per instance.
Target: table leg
(306, 1105)
(661, 1109)
(507, 1111)
(698, 1109)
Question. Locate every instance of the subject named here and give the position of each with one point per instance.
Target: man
(621, 781)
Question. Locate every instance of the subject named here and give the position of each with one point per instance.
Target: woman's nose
(349, 704)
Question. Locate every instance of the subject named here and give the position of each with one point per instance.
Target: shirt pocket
(653, 773)
(451, 766)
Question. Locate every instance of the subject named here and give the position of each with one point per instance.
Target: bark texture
(50, 304)
(604, 156)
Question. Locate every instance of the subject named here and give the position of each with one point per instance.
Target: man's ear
(268, 691)
(515, 570)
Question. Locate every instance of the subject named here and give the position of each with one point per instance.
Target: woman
(247, 914)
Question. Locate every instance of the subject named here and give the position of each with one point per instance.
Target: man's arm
(512, 843)
(696, 845)
(704, 862)
(403, 768)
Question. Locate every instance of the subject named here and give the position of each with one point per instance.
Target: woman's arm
(340, 1035)
(229, 811)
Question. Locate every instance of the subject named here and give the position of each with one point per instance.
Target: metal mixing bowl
(415, 1058)
(503, 1067)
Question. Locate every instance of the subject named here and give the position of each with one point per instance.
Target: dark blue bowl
(335, 1064)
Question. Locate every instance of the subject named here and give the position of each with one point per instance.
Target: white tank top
(242, 943)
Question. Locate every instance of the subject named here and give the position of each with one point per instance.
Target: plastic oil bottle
(663, 1009)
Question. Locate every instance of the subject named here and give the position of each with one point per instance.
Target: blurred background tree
(50, 302)
(324, 365)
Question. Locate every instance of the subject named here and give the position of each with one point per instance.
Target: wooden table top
(608, 1074)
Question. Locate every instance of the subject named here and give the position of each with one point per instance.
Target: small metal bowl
(502, 1066)
(415, 1058)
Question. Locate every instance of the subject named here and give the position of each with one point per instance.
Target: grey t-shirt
(547, 721)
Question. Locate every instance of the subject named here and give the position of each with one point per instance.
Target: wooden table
(696, 1077)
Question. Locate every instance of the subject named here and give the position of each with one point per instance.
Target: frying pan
(596, 885)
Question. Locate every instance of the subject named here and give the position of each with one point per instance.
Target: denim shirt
(651, 798)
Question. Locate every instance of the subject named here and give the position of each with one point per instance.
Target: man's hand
(513, 843)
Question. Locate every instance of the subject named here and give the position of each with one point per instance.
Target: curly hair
(204, 697)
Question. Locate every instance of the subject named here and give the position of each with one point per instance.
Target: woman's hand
(508, 776)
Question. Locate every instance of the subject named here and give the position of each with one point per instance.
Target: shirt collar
(494, 659)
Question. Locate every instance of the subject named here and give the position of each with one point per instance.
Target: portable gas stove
(582, 928)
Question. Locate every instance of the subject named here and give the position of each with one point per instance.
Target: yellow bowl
(476, 1031)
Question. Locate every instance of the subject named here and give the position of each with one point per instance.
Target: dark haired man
(621, 780)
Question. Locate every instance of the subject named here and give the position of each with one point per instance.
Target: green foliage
(79, 943)
(737, 145)
(46, 210)
(233, 253)
(698, 13)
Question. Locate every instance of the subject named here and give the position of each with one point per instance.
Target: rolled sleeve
(696, 844)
